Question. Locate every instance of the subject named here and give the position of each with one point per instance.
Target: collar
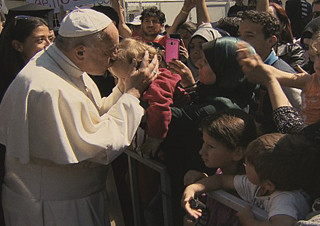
(271, 58)
(64, 62)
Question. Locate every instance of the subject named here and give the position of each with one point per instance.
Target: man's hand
(139, 79)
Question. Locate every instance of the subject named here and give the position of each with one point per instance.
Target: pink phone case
(172, 49)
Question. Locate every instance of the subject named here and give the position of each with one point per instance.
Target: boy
(265, 185)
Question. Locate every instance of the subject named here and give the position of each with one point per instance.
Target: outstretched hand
(140, 78)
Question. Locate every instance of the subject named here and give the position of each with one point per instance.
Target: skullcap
(82, 22)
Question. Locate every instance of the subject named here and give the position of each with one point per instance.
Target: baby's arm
(204, 185)
(247, 219)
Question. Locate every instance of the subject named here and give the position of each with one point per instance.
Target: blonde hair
(130, 49)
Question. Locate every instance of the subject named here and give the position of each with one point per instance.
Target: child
(267, 185)
(157, 98)
(225, 135)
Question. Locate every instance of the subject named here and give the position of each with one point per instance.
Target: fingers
(299, 69)
(145, 60)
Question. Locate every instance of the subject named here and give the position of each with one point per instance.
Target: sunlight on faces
(195, 49)
(253, 34)
(37, 41)
(214, 154)
(151, 26)
(102, 54)
(205, 74)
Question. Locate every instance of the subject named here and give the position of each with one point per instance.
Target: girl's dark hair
(233, 128)
(11, 61)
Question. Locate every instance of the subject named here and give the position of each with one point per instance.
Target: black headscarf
(221, 55)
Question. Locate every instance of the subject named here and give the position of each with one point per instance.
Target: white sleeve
(64, 126)
(292, 204)
(107, 102)
(245, 189)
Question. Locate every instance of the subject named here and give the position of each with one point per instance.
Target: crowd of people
(238, 110)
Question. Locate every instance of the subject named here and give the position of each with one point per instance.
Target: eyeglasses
(315, 14)
(20, 17)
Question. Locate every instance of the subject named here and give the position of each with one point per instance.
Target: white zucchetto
(82, 22)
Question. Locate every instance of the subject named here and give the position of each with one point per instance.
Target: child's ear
(238, 154)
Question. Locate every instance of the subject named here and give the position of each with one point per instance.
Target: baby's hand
(192, 176)
(245, 215)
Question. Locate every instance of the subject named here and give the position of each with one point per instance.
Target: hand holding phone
(172, 49)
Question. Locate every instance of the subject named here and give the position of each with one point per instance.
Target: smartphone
(176, 36)
(172, 49)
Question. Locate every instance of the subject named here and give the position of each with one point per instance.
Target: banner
(66, 4)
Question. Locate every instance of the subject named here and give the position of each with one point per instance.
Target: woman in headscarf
(222, 86)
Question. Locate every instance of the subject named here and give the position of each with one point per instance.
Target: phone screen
(172, 49)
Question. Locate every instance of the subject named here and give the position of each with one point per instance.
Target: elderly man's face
(101, 56)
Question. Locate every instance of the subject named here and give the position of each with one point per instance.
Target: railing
(219, 195)
(164, 184)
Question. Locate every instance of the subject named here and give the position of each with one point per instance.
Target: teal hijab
(231, 82)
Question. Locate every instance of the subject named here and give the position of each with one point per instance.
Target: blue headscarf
(221, 55)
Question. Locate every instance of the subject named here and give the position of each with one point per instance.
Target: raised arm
(182, 16)
(123, 28)
(285, 116)
(263, 6)
(202, 12)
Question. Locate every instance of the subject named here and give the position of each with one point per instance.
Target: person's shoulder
(283, 66)
(295, 196)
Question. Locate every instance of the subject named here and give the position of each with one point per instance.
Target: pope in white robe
(60, 135)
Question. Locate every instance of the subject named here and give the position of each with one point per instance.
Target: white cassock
(59, 142)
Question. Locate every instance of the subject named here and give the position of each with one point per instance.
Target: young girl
(225, 136)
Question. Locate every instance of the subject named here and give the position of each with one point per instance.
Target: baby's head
(226, 134)
(128, 50)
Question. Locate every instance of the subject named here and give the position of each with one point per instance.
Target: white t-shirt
(290, 203)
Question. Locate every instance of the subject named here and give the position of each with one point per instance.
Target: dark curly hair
(270, 24)
(153, 12)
